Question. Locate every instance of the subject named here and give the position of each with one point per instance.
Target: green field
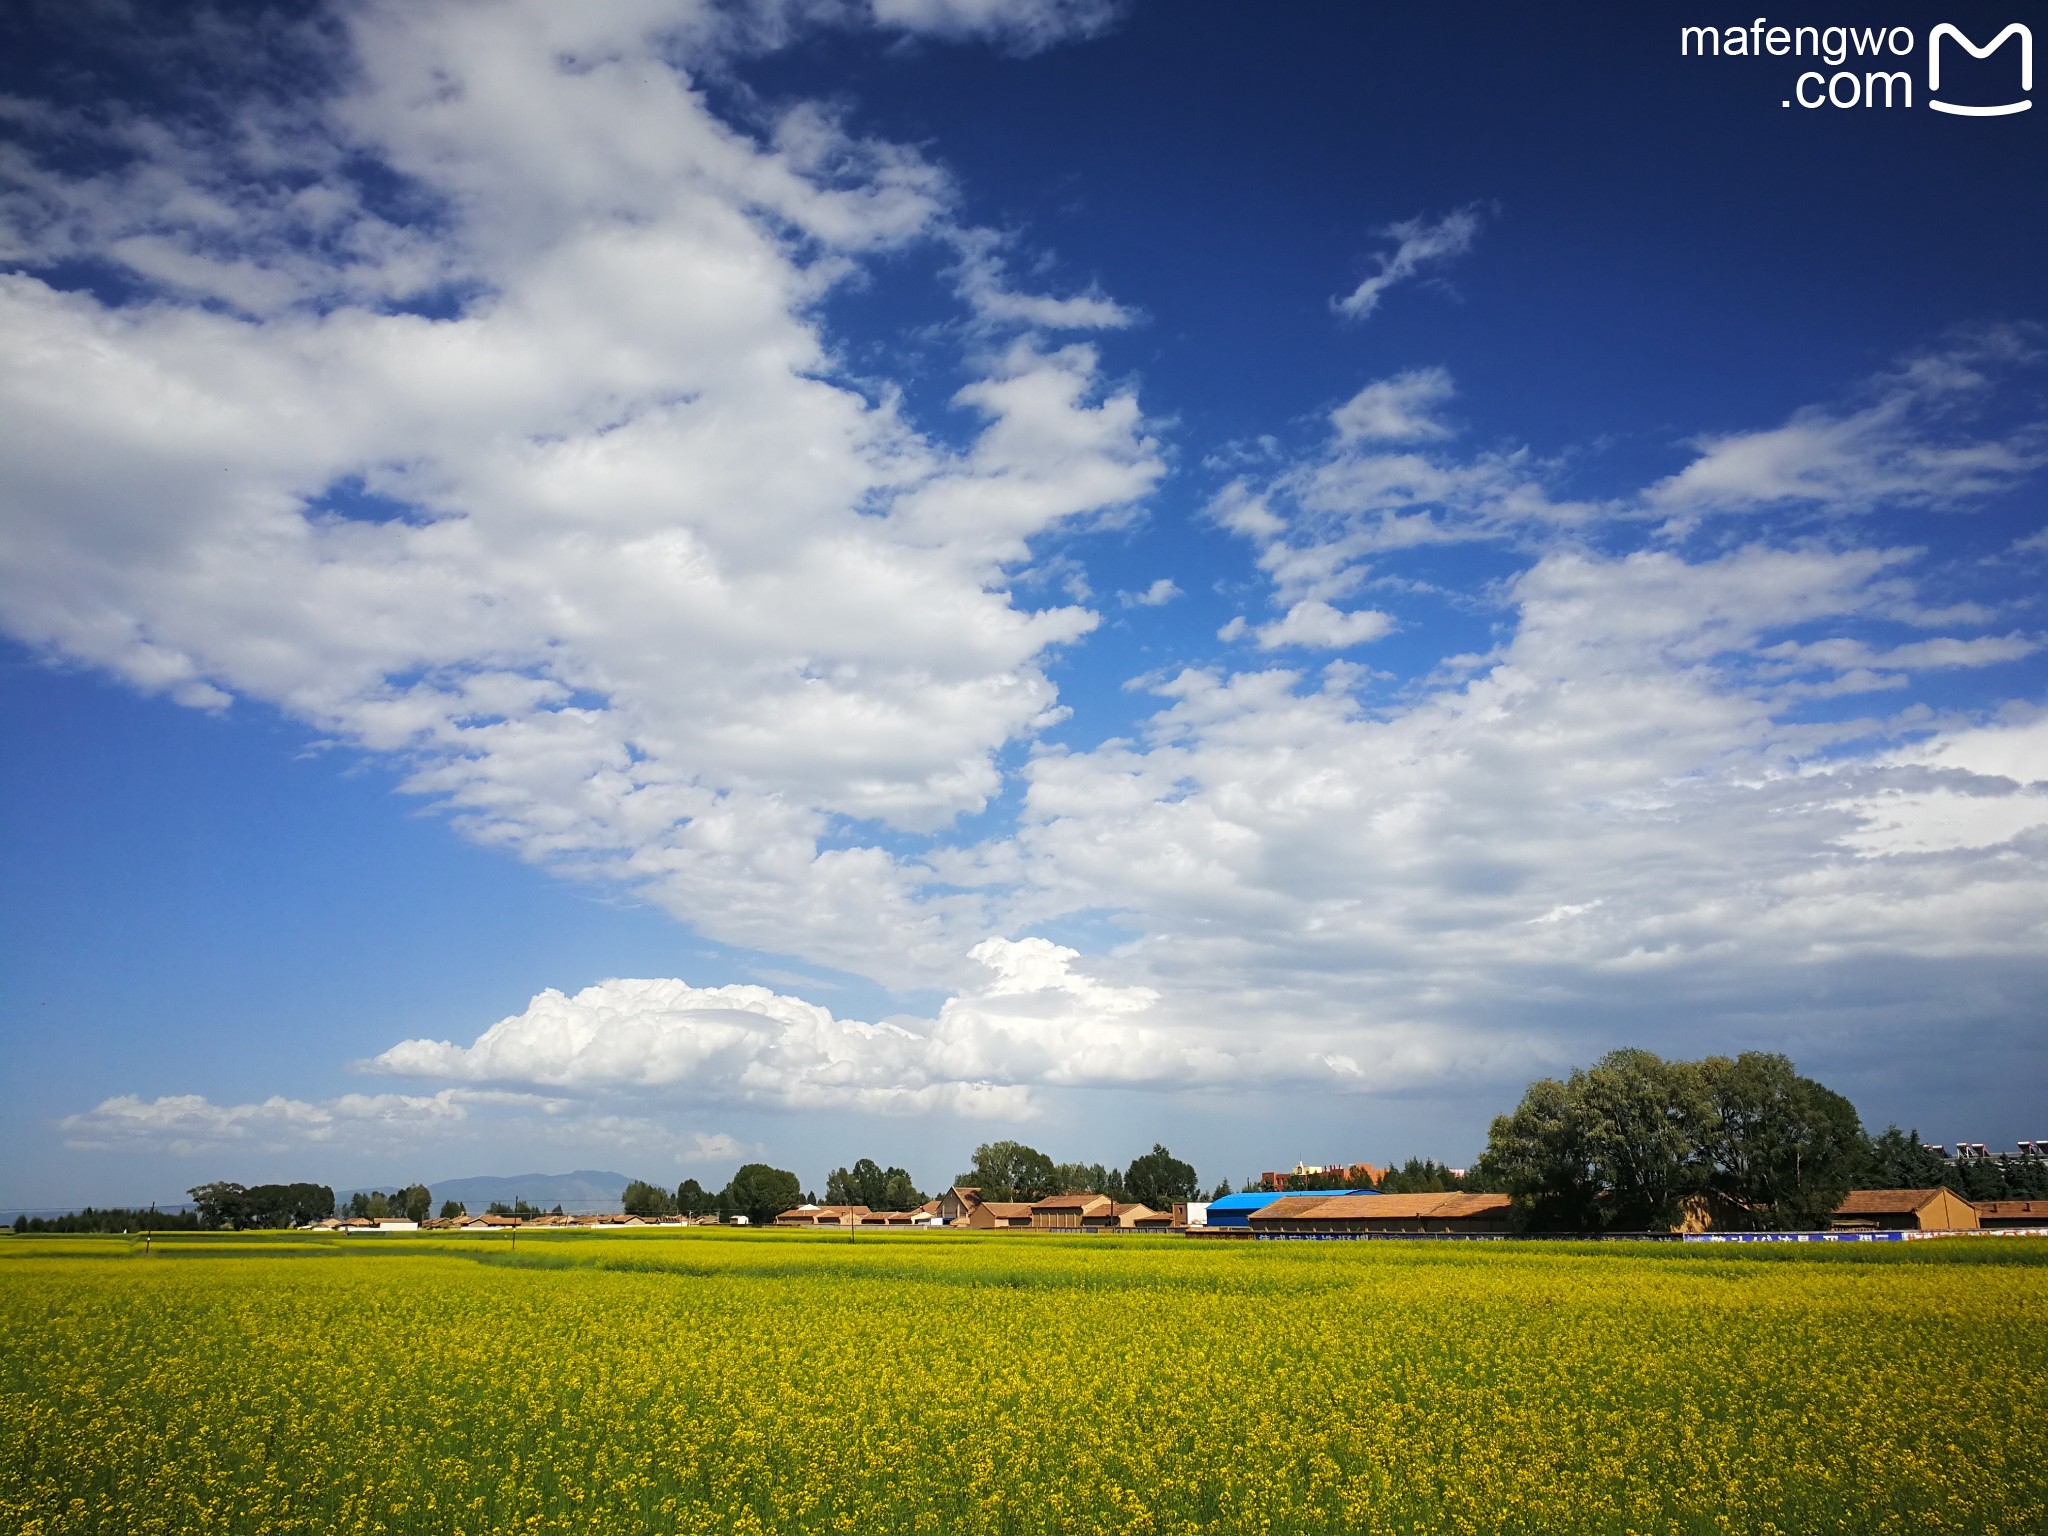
(718, 1381)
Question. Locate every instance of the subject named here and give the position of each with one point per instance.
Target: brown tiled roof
(1006, 1207)
(1340, 1206)
(1075, 1202)
(1444, 1207)
(1884, 1202)
(2007, 1209)
(1289, 1208)
(1456, 1206)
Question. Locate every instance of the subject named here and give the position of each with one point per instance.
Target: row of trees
(226, 1204)
(113, 1219)
(1636, 1143)
(758, 1192)
(1009, 1170)
(1002, 1170)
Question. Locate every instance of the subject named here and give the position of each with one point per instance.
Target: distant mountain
(585, 1190)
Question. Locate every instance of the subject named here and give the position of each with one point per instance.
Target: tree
(692, 1199)
(1222, 1191)
(761, 1193)
(221, 1204)
(1900, 1160)
(1636, 1143)
(1009, 1170)
(1610, 1148)
(643, 1199)
(450, 1209)
(1087, 1179)
(1419, 1176)
(1777, 1151)
(1159, 1179)
(1537, 1155)
(868, 1183)
(415, 1202)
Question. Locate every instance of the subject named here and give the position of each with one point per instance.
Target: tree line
(1635, 1143)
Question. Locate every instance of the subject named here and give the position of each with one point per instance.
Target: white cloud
(1036, 1020)
(1902, 448)
(656, 590)
(1396, 409)
(1158, 595)
(187, 1123)
(669, 600)
(1027, 26)
(1315, 624)
(984, 283)
(1419, 244)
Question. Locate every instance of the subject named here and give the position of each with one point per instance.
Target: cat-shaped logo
(1934, 68)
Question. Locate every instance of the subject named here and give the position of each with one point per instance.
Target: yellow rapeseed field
(711, 1381)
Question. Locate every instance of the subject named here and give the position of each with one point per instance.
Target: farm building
(1235, 1210)
(823, 1216)
(1069, 1213)
(1000, 1215)
(958, 1203)
(1905, 1210)
(1485, 1215)
(2012, 1213)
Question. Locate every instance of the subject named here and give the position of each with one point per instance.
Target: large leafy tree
(1777, 1151)
(1538, 1154)
(868, 1183)
(639, 1198)
(761, 1193)
(693, 1199)
(1009, 1170)
(1636, 1143)
(227, 1204)
(1158, 1179)
(1088, 1179)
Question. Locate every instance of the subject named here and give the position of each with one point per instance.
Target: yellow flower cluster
(709, 1381)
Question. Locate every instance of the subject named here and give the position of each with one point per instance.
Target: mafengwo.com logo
(1863, 67)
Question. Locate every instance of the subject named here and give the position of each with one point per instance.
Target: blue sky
(688, 582)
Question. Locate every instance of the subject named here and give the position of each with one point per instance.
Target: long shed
(1905, 1210)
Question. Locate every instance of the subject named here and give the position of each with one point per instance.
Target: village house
(1363, 1215)
(1905, 1210)
(2012, 1213)
(1000, 1216)
(958, 1203)
(823, 1216)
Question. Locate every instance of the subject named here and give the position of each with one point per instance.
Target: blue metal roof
(1236, 1210)
(1258, 1201)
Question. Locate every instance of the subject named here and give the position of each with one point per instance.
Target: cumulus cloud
(1419, 244)
(1618, 802)
(1036, 1020)
(635, 583)
(556, 489)
(1158, 595)
(1314, 624)
(1397, 408)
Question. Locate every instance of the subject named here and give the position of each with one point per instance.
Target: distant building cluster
(1323, 1176)
(962, 1206)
